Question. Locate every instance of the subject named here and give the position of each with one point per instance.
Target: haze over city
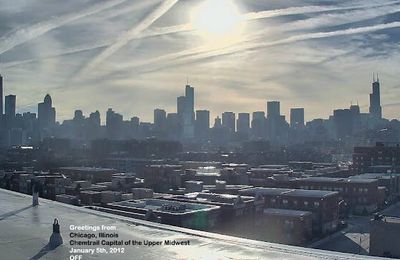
(135, 56)
(199, 129)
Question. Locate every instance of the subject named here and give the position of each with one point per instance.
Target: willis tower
(375, 108)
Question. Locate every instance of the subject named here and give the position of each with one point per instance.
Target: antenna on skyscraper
(187, 80)
(377, 77)
(373, 76)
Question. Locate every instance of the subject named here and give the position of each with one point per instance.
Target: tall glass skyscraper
(375, 108)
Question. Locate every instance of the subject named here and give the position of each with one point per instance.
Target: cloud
(159, 31)
(198, 54)
(23, 35)
(125, 37)
(106, 43)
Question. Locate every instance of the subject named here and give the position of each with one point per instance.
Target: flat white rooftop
(25, 232)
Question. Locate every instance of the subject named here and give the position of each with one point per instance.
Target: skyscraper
(46, 113)
(78, 115)
(276, 125)
(160, 116)
(180, 105)
(189, 94)
(228, 121)
(375, 108)
(217, 122)
(10, 103)
(273, 109)
(173, 126)
(297, 117)
(1, 95)
(243, 123)
(185, 109)
(356, 117)
(135, 121)
(258, 124)
(114, 124)
(343, 123)
(202, 124)
(95, 118)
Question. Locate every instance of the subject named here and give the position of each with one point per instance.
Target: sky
(134, 56)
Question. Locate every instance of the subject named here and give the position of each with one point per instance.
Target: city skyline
(305, 54)
(272, 108)
(141, 129)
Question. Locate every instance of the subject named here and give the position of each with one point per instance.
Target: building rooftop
(375, 176)
(88, 169)
(390, 219)
(227, 187)
(339, 180)
(310, 193)
(264, 191)
(214, 198)
(25, 232)
(159, 205)
(286, 212)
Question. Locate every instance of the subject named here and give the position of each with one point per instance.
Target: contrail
(147, 34)
(308, 9)
(124, 38)
(342, 18)
(253, 16)
(190, 56)
(23, 35)
(132, 6)
(65, 52)
(188, 27)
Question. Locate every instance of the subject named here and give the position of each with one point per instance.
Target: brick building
(94, 175)
(384, 237)
(381, 154)
(183, 214)
(324, 205)
(161, 178)
(361, 195)
(286, 226)
(238, 213)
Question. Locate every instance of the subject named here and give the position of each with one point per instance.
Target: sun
(218, 20)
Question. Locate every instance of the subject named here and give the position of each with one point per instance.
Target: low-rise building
(285, 226)
(68, 199)
(122, 182)
(142, 193)
(94, 175)
(193, 186)
(183, 214)
(380, 154)
(52, 185)
(238, 213)
(222, 188)
(361, 195)
(136, 165)
(324, 205)
(390, 181)
(89, 198)
(384, 237)
(161, 178)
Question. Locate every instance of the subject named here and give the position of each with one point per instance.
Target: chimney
(35, 193)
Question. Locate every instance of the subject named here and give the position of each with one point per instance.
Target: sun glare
(218, 20)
